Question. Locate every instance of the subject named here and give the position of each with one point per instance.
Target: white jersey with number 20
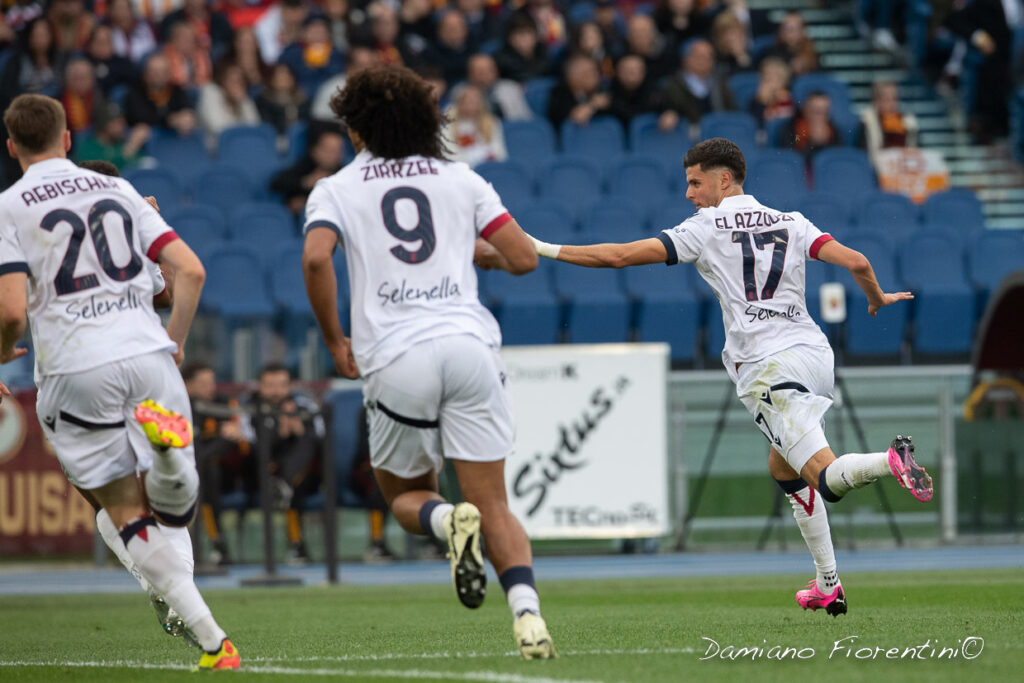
(753, 257)
(408, 228)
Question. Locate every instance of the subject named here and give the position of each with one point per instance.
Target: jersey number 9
(423, 232)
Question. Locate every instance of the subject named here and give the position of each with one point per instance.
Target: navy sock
(425, 511)
(516, 575)
(825, 491)
(789, 486)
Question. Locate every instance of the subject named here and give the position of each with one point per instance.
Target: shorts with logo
(788, 393)
(443, 398)
(89, 417)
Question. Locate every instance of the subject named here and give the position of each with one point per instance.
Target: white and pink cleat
(908, 473)
(813, 599)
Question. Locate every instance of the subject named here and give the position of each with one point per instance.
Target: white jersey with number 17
(753, 257)
(408, 228)
(83, 239)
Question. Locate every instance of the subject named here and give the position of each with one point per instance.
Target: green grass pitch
(635, 630)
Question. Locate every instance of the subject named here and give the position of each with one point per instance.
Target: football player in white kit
(72, 249)
(753, 257)
(426, 348)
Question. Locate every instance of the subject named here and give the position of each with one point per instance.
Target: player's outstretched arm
(13, 314)
(188, 276)
(607, 255)
(509, 249)
(863, 274)
(322, 290)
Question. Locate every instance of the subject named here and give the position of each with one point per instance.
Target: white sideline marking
(464, 655)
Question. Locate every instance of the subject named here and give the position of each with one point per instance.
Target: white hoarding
(590, 457)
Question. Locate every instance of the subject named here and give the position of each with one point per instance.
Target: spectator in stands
(813, 130)
(473, 133)
(696, 90)
(296, 439)
(245, 52)
(633, 93)
(505, 97)
(80, 97)
(190, 65)
(211, 28)
(324, 156)
(359, 58)
(133, 37)
(337, 15)
(158, 102)
(522, 57)
(773, 99)
(609, 20)
(34, 66)
(551, 26)
(279, 27)
(224, 103)
(883, 124)
(282, 102)
(793, 46)
(731, 44)
(416, 21)
(112, 70)
(588, 39)
(217, 438)
(642, 38)
(578, 97)
(111, 139)
(434, 77)
(681, 21)
(8, 36)
(385, 31)
(453, 48)
(484, 23)
(314, 59)
(71, 24)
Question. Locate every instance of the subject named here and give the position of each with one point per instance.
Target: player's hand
(179, 355)
(344, 361)
(4, 391)
(152, 202)
(14, 354)
(888, 298)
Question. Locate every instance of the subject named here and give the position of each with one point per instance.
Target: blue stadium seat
(739, 127)
(777, 178)
(526, 306)
(816, 273)
(958, 207)
(600, 138)
(547, 219)
(345, 408)
(743, 86)
(994, 255)
(570, 179)
(827, 211)
(530, 142)
(221, 185)
(599, 310)
(182, 156)
(512, 180)
(669, 315)
(667, 147)
(714, 334)
(843, 171)
(837, 91)
(261, 224)
(160, 183)
(761, 44)
(865, 335)
(933, 268)
(616, 216)
(252, 149)
(537, 92)
(202, 227)
(670, 213)
(235, 285)
(287, 283)
(296, 135)
(878, 210)
(640, 178)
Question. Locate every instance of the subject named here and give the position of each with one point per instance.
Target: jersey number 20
(66, 282)
(779, 239)
(423, 232)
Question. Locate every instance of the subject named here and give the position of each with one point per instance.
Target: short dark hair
(190, 370)
(718, 153)
(274, 368)
(100, 166)
(35, 122)
(393, 111)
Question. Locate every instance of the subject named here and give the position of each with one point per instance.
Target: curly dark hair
(393, 111)
(718, 153)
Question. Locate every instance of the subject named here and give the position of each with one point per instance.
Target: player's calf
(855, 470)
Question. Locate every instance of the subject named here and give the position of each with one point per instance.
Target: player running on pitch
(427, 349)
(72, 250)
(753, 257)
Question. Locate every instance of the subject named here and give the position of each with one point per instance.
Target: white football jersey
(753, 258)
(408, 228)
(83, 238)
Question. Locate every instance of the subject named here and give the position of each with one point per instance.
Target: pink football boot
(811, 598)
(908, 473)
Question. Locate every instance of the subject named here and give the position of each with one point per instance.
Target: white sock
(854, 470)
(811, 517)
(158, 561)
(182, 542)
(523, 597)
(108, 531)
(437, 519)
(172, 485)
